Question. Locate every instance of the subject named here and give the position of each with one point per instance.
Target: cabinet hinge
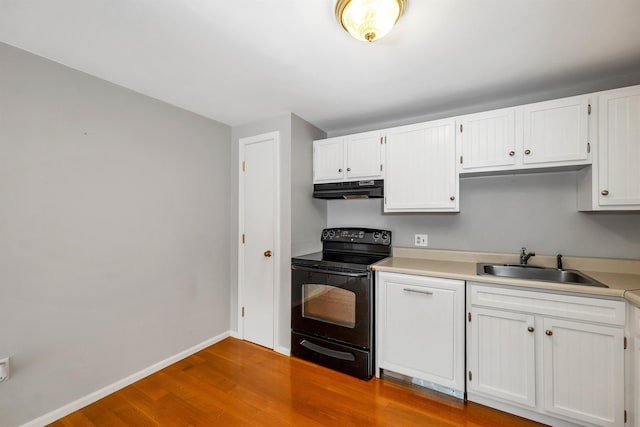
(588, 147)
(460, 159)
(625, 343)
(470, 376)
(243, 238)
(385, 139)
(625, 416)
(460, 128)
(469, 317)
(380, 140)
(380, 167)
(242, 311)
(589, 109)
(243, 166)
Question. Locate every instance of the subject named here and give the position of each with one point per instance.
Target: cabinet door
(364, 156)
(328, 160)
(584, 371)
(488, 140)
(556, 131)
(421, 173)
(501, 355)
(619, 148)
(421, 328)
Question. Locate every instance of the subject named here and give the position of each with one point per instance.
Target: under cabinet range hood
(372, 189)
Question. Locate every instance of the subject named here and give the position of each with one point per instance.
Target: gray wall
(504, 213)
(114, 225)
(308, 215)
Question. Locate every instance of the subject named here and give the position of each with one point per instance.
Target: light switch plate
(422, 240)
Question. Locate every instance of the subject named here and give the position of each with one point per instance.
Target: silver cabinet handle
(512, 153)
(605, 192)
(417, 291)
(527, 152)
(530, 329)
(548, 332)
(340, 170)
(348, 169)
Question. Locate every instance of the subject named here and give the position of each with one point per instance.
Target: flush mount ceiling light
(369, 20)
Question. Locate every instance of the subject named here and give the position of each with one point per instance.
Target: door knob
(267, 253)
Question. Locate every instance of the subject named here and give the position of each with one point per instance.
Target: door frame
(242, 143)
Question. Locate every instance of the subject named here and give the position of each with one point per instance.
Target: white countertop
(622, 276)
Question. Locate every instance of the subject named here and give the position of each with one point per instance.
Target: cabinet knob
(531, 329)
(527, 152)
(605, 192)
(452, 198)
(348, 169)
(548, 332)
(340, 170)
(512, 153)
(267, 253)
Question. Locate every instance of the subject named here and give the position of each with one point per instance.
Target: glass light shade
(369, 20)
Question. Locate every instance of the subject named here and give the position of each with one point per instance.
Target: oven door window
(329, 304)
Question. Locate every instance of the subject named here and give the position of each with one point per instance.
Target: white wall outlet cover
(422, 240)
(4, 369)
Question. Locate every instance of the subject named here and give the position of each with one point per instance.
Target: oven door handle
(342, 355)
(338, 273)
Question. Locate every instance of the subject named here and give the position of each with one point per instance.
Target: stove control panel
(357, 235)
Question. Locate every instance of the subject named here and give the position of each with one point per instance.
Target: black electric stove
(332, 298)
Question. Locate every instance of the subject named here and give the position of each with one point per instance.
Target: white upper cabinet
(421, 171)
(348, 158)
(613, 182)
(619, 152)
(328, 160)
(487, 140)
(542, 135)
(556, 132)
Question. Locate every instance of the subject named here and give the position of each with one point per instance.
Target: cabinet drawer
(566, 306)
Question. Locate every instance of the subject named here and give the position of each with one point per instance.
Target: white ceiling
(239, 61)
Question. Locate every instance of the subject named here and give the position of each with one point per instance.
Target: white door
(364, 156)
(584, 371)
(501, 355)
(557, 131)
(421, 168)
(328, 160)
(488, 140)
(259, 183)
(619, 152)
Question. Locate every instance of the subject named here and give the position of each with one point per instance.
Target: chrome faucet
(524, 256)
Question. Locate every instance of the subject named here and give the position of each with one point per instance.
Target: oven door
(332, 304)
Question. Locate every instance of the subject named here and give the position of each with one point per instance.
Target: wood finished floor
(235, 383)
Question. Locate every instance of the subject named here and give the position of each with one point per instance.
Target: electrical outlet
(4, 369)
(422, 240)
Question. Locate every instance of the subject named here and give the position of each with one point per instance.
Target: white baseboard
(282, 350)
(99, 394)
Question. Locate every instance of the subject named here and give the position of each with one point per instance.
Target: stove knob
(332, 234)
(376, 235)
(361, 235)
(325, 234)
(385, 237)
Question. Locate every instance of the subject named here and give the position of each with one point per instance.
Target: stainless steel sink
(531, 272)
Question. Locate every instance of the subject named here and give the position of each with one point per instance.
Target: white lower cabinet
(633, 366)
(502, 356)
(420, 328)
(555, 358)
